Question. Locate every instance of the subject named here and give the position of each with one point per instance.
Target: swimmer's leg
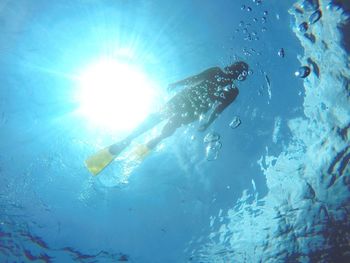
(168, 130)
(151, 121)
(98, 161)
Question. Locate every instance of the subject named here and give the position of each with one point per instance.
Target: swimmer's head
(238, 70)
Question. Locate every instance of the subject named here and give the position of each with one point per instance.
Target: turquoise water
(278, 189)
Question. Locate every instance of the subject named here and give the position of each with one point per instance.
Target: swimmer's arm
(219, 108)
(196, 79)
(216, 112)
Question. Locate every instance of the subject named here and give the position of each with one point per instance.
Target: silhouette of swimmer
(213, 89)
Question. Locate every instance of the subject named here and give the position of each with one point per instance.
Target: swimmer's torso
(195, 100)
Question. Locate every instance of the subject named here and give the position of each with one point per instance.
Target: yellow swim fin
(100, 160)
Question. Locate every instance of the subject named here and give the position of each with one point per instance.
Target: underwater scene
(188, 131)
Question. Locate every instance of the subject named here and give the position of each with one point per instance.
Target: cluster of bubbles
(308, 7)
(313, 14)
(246, 27)
(213, 146)
(243, 75)
(212, 141)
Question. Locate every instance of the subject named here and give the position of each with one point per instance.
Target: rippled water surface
(268, 181)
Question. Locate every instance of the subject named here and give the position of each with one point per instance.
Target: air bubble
(212, 150)
(303, 27)
(211, 137)
(213, 146)
(302, 72)
(236, 121)
(315, 17)
(281, 53)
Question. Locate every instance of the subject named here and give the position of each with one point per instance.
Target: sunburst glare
(114, 95)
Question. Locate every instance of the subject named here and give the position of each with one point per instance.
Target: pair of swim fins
(100, 160)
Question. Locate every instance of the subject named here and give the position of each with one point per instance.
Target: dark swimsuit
(190, 103)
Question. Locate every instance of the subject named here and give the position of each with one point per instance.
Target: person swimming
(210, 91)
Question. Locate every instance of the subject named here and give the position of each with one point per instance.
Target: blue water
(53, 210)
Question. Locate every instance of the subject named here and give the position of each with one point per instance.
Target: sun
(114, 95)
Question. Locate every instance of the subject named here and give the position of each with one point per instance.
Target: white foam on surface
(308, 181)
